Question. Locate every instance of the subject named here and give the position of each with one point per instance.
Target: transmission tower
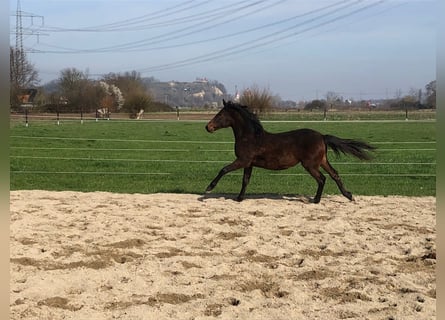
(20, 55)
(20, 31)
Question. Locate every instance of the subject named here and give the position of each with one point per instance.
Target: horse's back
(304, 136)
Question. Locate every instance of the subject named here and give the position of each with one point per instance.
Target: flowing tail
(358, 149)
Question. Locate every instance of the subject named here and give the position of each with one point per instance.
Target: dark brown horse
(255, 147)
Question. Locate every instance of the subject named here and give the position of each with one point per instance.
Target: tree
(127, 82)
(409, 102)
(134, 92)
(315, 104)
(80, 93)
(332, 97)
(113, 99)
(431, 94)
(258, 100)
(70, 80)
(22, 75)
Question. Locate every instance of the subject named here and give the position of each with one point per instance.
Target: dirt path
(177, 256)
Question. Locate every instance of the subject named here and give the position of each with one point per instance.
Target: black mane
(248, 115)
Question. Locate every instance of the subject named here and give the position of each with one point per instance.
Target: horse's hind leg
(334, 175)
(320, 178)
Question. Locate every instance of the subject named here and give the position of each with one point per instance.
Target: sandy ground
(177, 256)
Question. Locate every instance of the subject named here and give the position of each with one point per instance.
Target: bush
(258, 101)
(136, 102)
(315, 105)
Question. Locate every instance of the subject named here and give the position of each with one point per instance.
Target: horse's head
(222, 119)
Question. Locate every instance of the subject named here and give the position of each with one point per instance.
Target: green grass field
(181, 157)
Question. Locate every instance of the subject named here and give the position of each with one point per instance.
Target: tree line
(76, 92)
(127, 92)
(415, 99)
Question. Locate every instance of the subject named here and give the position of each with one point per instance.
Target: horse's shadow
(267, 196)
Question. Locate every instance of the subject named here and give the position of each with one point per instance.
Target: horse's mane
(248, 115)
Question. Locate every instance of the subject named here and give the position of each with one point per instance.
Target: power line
(233, 34)
(114, 26)
(317, 19)
(199, 26)
(178, 34)
(140, 45)
(264, 40)
(210, 13)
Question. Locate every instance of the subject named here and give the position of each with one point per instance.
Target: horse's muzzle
(210, 128)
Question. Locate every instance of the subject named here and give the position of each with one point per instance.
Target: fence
(427, 147)
(114, 155)
(27, 115)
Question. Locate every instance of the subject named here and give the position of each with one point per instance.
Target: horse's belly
(276, 162)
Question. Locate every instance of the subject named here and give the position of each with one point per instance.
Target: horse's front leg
(246, 178)
(235, 165)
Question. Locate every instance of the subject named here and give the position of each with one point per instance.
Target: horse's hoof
(238, 199)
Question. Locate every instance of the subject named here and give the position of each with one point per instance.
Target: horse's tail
(358, 149)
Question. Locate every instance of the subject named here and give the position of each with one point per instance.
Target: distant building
(201, 80)
(26, 97)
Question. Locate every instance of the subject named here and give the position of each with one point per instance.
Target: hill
(199, 93)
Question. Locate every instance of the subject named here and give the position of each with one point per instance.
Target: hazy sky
(298, 49)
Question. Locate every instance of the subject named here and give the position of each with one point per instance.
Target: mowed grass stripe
(186, 141)
(206, 161)
(131, 158)
(121, 140)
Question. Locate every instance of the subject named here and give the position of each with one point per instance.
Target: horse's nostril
(209, 129)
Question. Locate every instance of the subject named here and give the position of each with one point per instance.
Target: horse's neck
(244, 130)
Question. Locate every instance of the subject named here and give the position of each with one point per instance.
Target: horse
(255, 147)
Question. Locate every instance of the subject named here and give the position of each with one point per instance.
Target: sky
(298, 50)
